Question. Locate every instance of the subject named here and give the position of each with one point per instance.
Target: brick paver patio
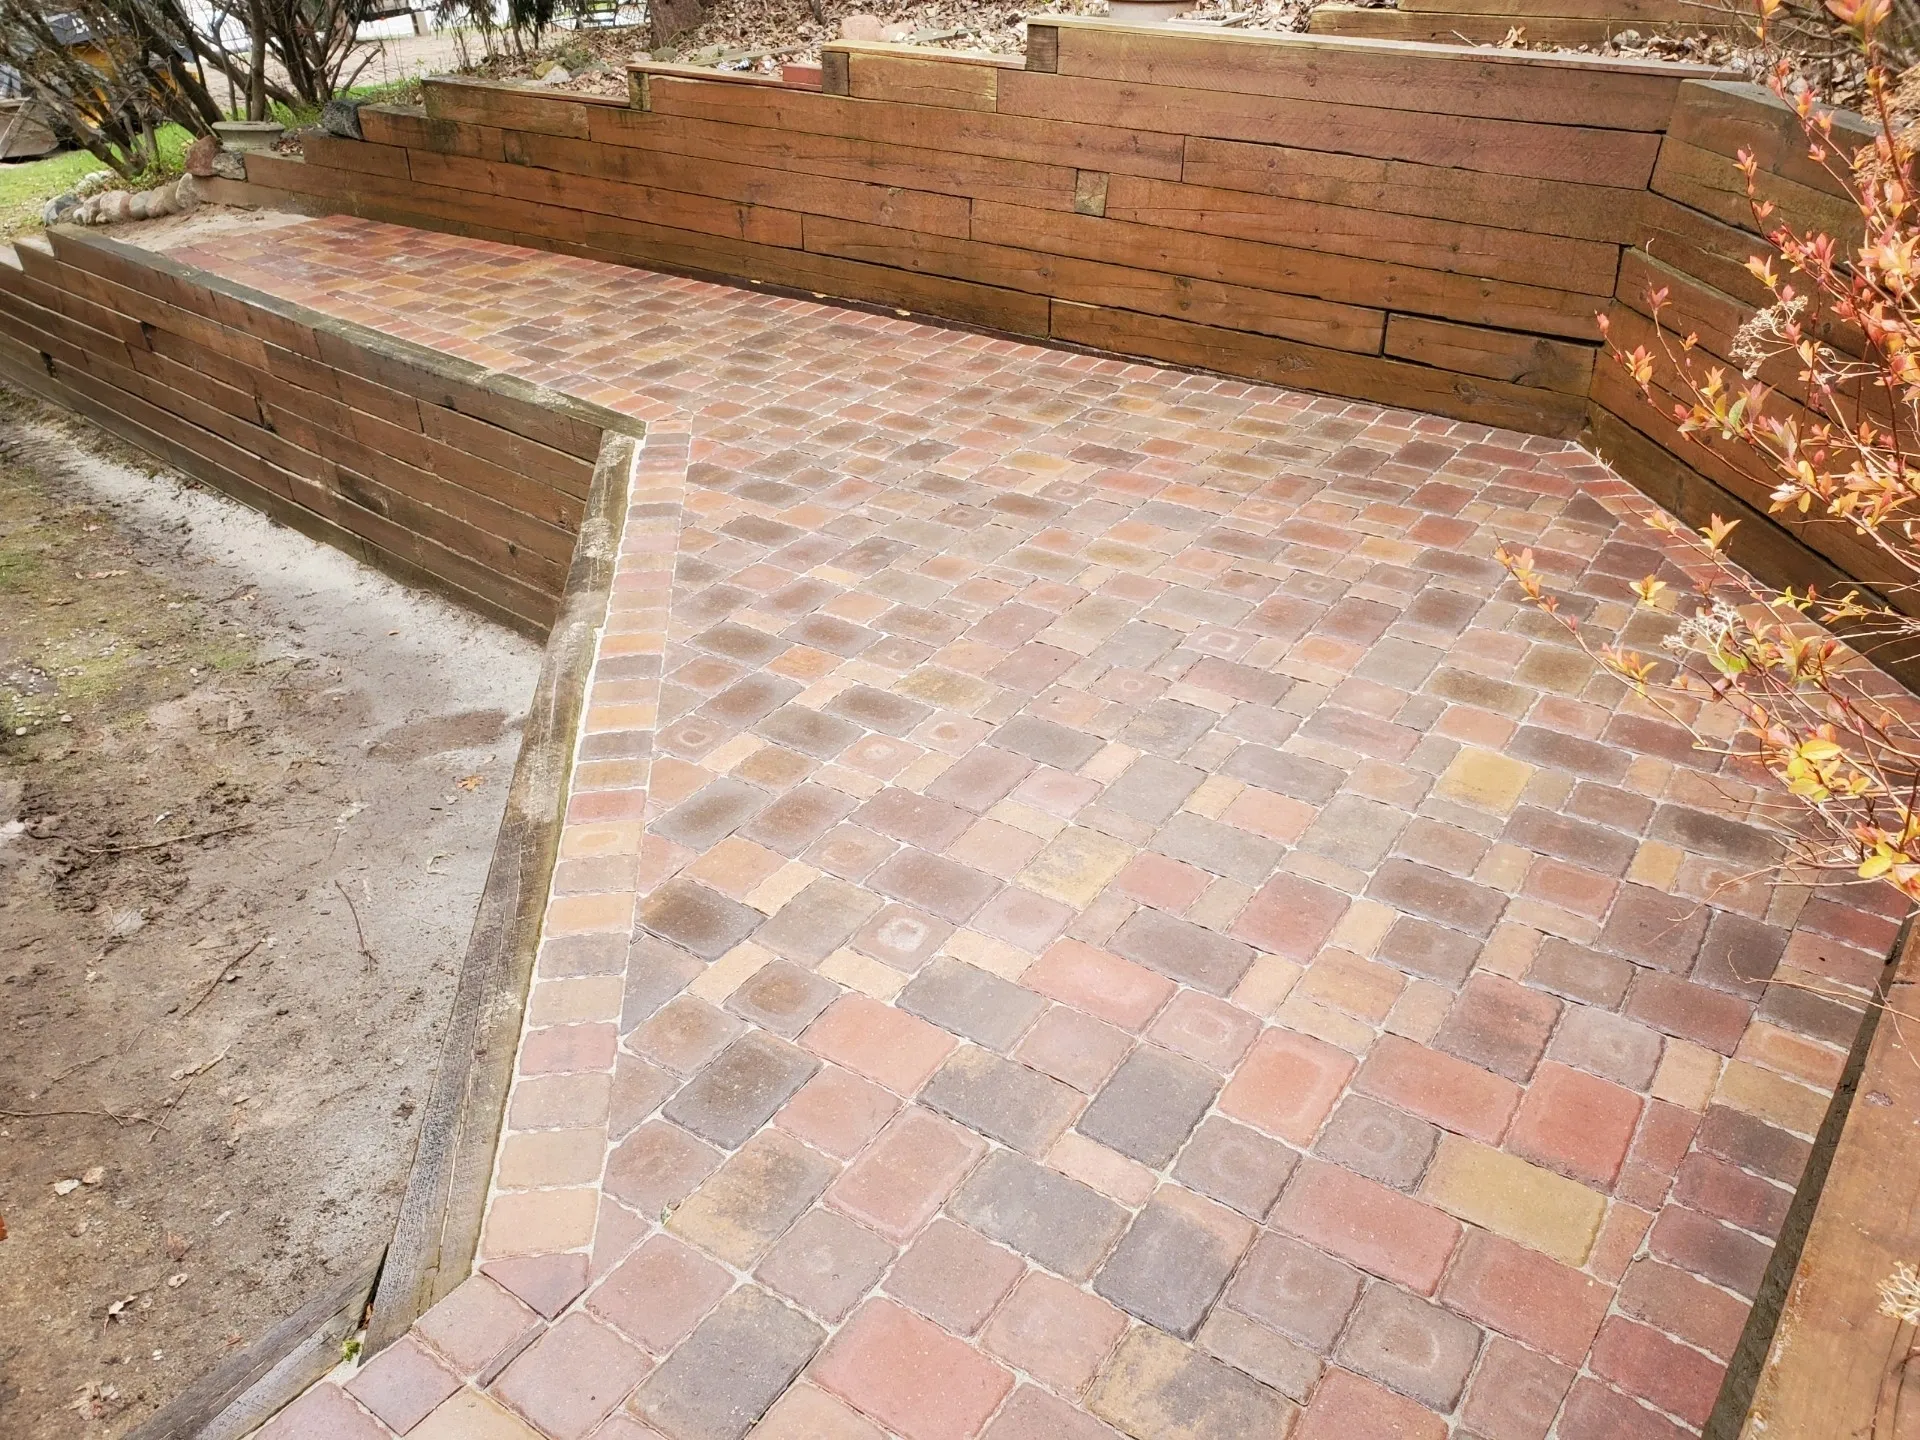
(1087, 907)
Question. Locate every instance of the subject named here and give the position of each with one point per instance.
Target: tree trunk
(257, 60)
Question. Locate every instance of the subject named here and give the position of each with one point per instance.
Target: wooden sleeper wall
(416, 463)
(1414, 225)
(1540, 22)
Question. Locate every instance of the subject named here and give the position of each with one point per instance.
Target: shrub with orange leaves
(1841, 443)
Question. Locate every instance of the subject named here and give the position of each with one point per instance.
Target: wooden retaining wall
(1539, 22)
(432, 469)
(1414, 225)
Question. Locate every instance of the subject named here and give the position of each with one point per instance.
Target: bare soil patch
(248, 794)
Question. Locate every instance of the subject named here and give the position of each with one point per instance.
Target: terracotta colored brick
(472, 1415)
(953, 1276)
(910, 1375)
(545, 1283)
(1576, 1124)
(1514, 1198)
(658, 1294)
(1690, 1011)
(534, 1222)
(1033, 1414)
(1676, 1302)
(402, 1384)
(1645, 1363)
(1275, 816)
(899, 1050)
(562, 1049)
(1286, 1085)
(745, 1205)
(1345, 1407)
(1378, 1229)
(324, 1413)
(1291, 916)
(1236, 1166)
(478, 1327)
(1515, 1394)
(658, 1166)
(1522, 1293)
(1100, 983)
(1448, 1091)
(1703, 1246)
(1073, 1047)
(837, 1112)
(1054, 1331)
(806, 1413)
(569, 1378)
(906, 1173)
(1594, 1412)
(1379, 1142)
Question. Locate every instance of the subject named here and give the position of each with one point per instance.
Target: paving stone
(658, 1166)
(571, 1377)
(1291, 916)
(1500, 1025)
(1183, 950)
(656, 973)
(1205, 1029)
(1286, 1085)
(1236, 1166)
(1152, 788)
(817, 921)
(798, 818)
(1609, 1046)
(838, 1112)
(1575, 1123)
(1055, 1332)
(1296, 1290)
(1438, 1087)
(972, 1003)
(698, 919)
(1593, 846)
(714, 813)
(783, 997)
(981, 778)
(717, 1384)
(1023, 919)
(934, 883)
(1379, 1142)
(1174, 1260)
(913, 819)
(1346, 1407)
(1052, 1220)
(659, 1293)
(1033, 1414)
(1100, 983)
(739, 1091)
(1516, 1393)
(400, 1385)
(1651, 928)
(897, 1184)
(1296, 776)
(898, 1050)
(1435, 895)
(685, 1034)
(878, 710)
(1000, 1099)
(1411, 1346)
(910, 1375)
(808, 731)
(1428, 950)
(808, 1413)
(1739, 954)
(1517, 1199)
(1355, 831)
(751, 1199)
(1046, 742)
(1218, 849)
(1150, 1106)
(1577, 972)
(546, 1284)
(1392, 1235)
(825, 1264)
(1154, 1385)
(1595, 1412)
(324, 1413)
(954, 1277)
(900, 936)
(1073, 1047)
(479, 1327)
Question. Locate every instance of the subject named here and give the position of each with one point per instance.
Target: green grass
(26, 186)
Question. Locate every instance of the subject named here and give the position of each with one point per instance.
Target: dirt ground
(216, 1047)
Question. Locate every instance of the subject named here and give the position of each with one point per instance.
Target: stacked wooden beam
(427, 467)
(1533, 22)
(1415, 225)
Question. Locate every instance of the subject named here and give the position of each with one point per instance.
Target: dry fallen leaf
(470, 782)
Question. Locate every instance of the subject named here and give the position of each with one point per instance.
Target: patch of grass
(26, 186)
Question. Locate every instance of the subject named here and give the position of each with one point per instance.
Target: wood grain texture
(1495, 354)
(1426, 79)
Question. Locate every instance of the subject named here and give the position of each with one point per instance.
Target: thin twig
(157, 844)
(359, 929)
(121, 1120)
(214, 984)
(166, 1113)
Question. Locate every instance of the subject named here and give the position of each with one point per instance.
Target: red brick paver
(1131, 928)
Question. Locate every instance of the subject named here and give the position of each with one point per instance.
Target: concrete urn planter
(242, 136)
